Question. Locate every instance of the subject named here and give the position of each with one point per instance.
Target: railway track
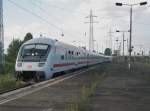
(15, 88)
(26, 90)
(30, 84)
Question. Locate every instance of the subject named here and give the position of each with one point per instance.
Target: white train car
(41, 58)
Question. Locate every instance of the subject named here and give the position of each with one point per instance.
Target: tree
(12, 50)
(27, 37)
(108, 52)
(11, 55)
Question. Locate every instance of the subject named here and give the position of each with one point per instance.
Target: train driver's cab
(34, 53)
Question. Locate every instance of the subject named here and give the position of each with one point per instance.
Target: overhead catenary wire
(51, 24)
(34, 14)
(39, 17)
(70, 11)
(43, 10)
(62, 8)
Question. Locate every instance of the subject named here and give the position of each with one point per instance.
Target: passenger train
(40, 58)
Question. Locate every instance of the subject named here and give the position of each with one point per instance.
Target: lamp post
(131, 10)
(117, 49)
(123, 39)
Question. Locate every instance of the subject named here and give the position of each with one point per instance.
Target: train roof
(57, 43)
(40, 40)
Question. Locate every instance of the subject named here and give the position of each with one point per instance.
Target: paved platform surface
(123, 90)
(119, 90)
(54, 98)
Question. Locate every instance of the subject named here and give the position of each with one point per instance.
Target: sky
(51, 18)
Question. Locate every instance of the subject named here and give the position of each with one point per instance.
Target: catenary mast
(1, 34)
(91, 33)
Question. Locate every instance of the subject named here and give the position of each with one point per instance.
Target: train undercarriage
(27, 76)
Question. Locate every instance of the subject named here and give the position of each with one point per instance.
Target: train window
(42, 47)
(35, 52)
(69, 52)
(66, 56)
(29, 46)
(62, 57)
(69, 55)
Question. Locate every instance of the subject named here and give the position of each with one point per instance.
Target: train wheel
(37, 78)
(18, 76)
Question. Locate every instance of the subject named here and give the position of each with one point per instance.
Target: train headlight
(41, 64)
(19, 64)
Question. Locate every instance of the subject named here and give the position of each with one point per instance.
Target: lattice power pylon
(91, 32)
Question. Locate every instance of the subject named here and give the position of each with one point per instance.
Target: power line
(62, 8)
(39, 17)
(34, 14)
(46, 12)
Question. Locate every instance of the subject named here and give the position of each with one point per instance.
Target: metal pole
(91, 33)
(120, 48)
(117, 48)
(91, 40)
(110, 38)
(1, 35)
(97, 47)
(114, 45)
(130, 45)
(90, 37)
(102, 49)
(123, 44)
(127, 45)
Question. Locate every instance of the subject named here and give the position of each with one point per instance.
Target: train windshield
(35, 52)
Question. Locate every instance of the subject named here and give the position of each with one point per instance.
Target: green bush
(1, 69)
(9, 68)
(7, 81)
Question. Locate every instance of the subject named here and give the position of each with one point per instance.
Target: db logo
(29, 66)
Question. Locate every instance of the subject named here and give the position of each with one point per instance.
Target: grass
(82, 103)
(147, 78)
(73, 105)
(8, 82)
(143, 69)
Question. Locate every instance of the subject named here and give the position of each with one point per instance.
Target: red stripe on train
(67, 64)
(63, 65)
